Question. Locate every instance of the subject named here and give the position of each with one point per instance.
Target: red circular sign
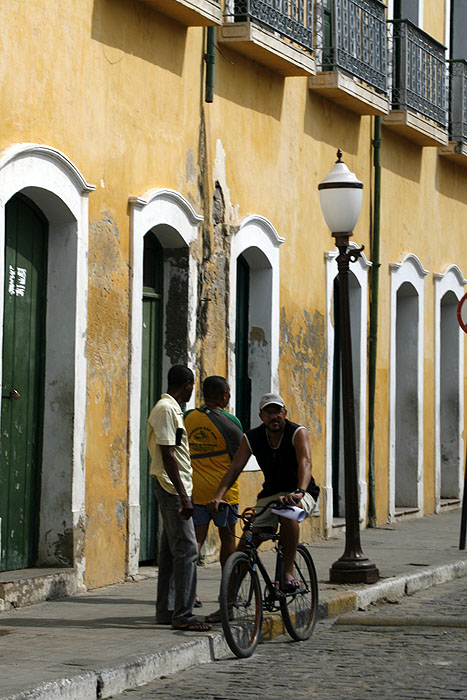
(462, 313)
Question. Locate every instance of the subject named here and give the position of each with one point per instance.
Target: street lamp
(341, 201)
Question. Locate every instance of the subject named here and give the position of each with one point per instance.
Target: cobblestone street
(410, 650)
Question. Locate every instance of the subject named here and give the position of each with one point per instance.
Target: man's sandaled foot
(193, 627)
(197, 603)
(213, 618)
(291, 585)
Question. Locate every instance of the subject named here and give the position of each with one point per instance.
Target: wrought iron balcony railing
(458, 101)
(354, 40)
(418, 72)
(292, 19)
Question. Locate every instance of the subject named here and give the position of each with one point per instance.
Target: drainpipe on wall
(210, 59)
(373, 331)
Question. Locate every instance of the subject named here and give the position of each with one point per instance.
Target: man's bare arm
(303, 454)
(239, 461)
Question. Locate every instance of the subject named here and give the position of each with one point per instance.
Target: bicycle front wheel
(241, 605)
(299, 607)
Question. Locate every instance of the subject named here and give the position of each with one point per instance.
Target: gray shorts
(269, 519)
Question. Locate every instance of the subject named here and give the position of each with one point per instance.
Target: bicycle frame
(273, 587)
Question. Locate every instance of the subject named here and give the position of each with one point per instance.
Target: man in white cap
(282, 450)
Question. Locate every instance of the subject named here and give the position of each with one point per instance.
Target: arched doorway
(449, 388)
(254, 315)
(450, 407)
(406, 388)
(333, 489)
(164, 296)
(42, 187)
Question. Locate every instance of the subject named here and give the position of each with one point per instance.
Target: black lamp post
(341, 201)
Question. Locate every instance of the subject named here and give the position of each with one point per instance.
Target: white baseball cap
(268, 399)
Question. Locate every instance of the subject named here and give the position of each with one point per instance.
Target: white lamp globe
(340, 195)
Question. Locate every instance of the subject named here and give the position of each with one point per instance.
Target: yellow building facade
(176, 229)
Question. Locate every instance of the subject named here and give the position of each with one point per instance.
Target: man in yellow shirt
(214, 437)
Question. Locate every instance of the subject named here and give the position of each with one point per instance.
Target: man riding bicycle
(282, 450)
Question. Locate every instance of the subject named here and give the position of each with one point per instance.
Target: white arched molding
(57, 187)
(259, 241)
(360, 270)
(409, 270)
(450, 281)
(177, 226)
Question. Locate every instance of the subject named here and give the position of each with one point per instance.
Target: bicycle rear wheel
(299, 608)
(241, 605)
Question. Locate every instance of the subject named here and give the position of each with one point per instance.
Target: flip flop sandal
(193, 627)
(292, 585)
(215, 617)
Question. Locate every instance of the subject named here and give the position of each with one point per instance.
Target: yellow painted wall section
(434, 19)
(112, 85)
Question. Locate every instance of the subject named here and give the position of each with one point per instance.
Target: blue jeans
(178, 555)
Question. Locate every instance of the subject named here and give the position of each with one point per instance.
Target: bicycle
(241, 602)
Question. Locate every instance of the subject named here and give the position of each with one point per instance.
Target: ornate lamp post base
(360, 570)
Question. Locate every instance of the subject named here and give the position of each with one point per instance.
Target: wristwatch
(300, 491)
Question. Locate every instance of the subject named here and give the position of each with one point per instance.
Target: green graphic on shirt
(203, 439)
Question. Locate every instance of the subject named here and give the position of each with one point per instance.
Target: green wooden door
(151, 380)
(242, 380)
(22, 382)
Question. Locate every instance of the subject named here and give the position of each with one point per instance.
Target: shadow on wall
(401, 156)
(328, 122)
(248, 84)
(137, 30)
(451, 180)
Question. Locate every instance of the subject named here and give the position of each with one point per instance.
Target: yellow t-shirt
(205, 439)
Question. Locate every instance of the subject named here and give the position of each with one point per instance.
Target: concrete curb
(391, 589)
(130, 673)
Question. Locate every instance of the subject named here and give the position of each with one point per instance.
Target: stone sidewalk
(97, 644)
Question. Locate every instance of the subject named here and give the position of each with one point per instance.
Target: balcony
(192, 13)
(457, 148)
(276, 33)
(352, 55)
(418, 91)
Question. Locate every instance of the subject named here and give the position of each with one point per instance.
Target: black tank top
(278, 464)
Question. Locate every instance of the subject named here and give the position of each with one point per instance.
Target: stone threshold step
(30, 586)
